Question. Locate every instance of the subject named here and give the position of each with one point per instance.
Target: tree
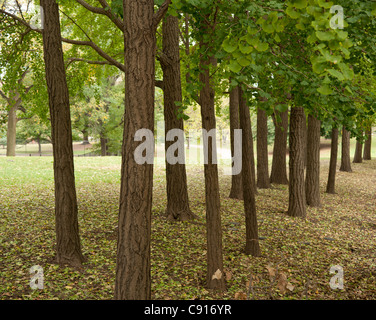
(345, 156)
(297, 195)
(368, 145)
(133, 278)
(279, 173)
(313, 162)
(330, 188)
(68, 245)
(176, 176)
(252, 240)
(236, 179)
(263, 180)
(358, 158)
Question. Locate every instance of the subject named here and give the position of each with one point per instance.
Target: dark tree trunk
(297, 196)
(252, 240)
(263, 180)
(345, 156)
(133, 266)
(176, 176)
(279, 170)
(368, 145)
(39, 145)
(236, 180)
(213, 214)
(358, 158)
(330, 187)
(313, 162)
(104, 147)
(11, 131)
(68, 245)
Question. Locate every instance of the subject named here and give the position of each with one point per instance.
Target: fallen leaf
(217, 275)
(240, 296)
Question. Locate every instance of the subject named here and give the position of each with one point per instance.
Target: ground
(297, 254)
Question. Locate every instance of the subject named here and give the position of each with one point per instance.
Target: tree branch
(106, 11)
(158, 16)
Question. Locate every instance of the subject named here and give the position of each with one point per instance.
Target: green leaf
(325, 90)
(261, 47)
(229, 45)
(324, 35)
(299, 4)
(234, 66)
(244, 62)
(337, 74)
(292, 13)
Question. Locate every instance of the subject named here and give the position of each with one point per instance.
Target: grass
(296, 254)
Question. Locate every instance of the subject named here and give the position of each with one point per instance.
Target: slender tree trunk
(313, 162)
(279, 172)
(358, 152)
(11, 131)
(133, 266)
(345, 156)
(330, 187)
(252, 240)
(213, 215)
(176, 176)
(68, 245)
(368, 145)
(104, 147)
(263, 180)
(39, 145)
(297, 196)
(236, 180)
(305, 135)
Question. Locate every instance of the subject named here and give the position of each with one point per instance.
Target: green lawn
(341, 232)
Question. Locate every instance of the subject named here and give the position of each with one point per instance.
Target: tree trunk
(330, 187)
(39, 146)
(213, 215)
(11, 131)
(263, 180)
(133, 267)
(358, 152)
(368, 145)
(236, 180)
(313, 162)
(252, 240)
(279, 171)
(176, 176)
(68, 245)
(104, 147)
(297, 196)
(345, 156)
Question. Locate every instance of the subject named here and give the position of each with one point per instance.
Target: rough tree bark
(263, 180)
(279, 171)
(330, 187)
(68, 245)
(176, 176)
(236, 180)
(252, 240)
(133, 267)
(313, 162)
(345, 155)
(358, 158)
(213, 215)
(368, 145)
(297, 142)
(11, 131)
